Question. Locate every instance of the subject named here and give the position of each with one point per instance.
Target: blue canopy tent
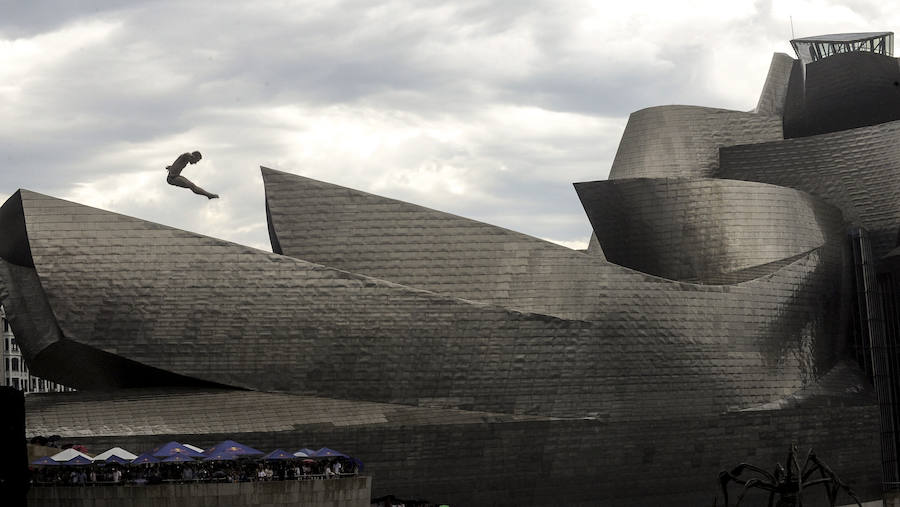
(278, 454)
(116, 459)
(220, 456)
(46, 460)
(234, 448)
(325, 452)
(145, 459)
(175, 448)
(177, 458)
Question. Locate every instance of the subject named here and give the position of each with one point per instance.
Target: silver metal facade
(145, 291)
(474, 365)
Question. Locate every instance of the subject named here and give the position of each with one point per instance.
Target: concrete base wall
(350, 492)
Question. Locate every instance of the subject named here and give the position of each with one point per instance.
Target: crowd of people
(238, 470)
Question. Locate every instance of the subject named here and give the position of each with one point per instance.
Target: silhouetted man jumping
(175, 177)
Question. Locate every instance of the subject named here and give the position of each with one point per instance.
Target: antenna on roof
(792, 26)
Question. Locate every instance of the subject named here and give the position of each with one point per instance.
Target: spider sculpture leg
(726, 476)
(793, 465)
(754, 483)
(836, 483)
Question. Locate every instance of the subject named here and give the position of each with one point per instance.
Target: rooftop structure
(811, 49)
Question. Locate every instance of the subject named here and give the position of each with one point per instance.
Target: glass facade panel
(816, 48)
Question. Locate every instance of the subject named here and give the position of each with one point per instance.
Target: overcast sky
(485, 109)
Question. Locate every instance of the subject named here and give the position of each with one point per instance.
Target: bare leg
(181, 181)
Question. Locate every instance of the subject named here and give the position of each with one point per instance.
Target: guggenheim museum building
(739, 293)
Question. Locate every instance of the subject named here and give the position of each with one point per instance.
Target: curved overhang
(707, 230)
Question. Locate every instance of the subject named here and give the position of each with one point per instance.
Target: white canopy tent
(68, 454)
(115, 451)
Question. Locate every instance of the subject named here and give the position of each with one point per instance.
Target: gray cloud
(485, 109)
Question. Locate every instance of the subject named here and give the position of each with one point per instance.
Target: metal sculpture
(787, 486)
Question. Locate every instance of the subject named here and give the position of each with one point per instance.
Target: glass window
(7, 367)
(15, 364)
(5, 325)
(15, 383)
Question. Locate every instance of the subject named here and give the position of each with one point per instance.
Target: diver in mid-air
(175, 177)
